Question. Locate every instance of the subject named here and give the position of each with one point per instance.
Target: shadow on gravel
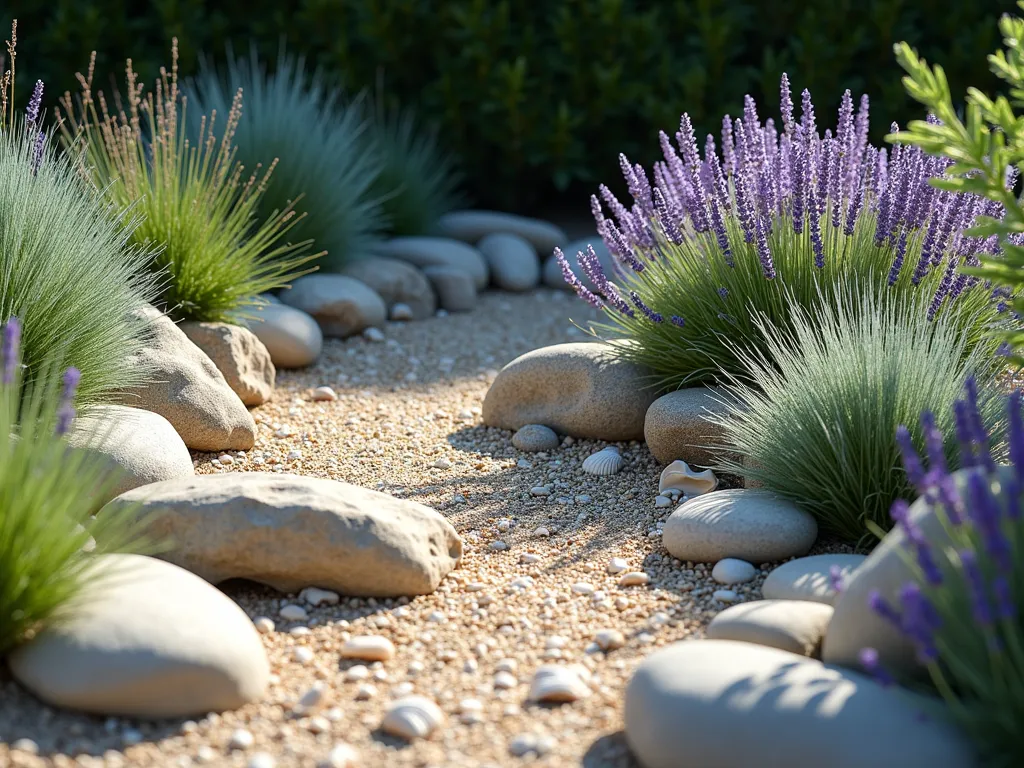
(609, 751)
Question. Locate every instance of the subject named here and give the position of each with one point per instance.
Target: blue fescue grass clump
(68, 268)
(48, 493)
(812, 413)
(777, 216)
(324, 165)
(418, 182)
(963, 609)
(200, 211)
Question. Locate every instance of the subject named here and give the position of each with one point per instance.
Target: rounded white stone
(733, 571)
(368, 648)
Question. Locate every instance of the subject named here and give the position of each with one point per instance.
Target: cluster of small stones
(560, 568)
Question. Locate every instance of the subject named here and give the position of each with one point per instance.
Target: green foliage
(539, 97)
(985, 146)
(418, 182)
(198, 208)
(326, 166)
(48, 493)
(815, 413)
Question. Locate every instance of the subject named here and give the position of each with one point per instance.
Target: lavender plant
(962, 610)
(48, 493)
(198, 208)
(776, 216)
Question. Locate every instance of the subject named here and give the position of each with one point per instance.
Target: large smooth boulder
(726, 704)
(397, 282)
(797, 626)
(188, 390)
(752, 525)
(342, 306)
(425, 252)
(580, 389)
(148, 640)
(291, 532)
(140, 447)
(512, 260)
(855, 625)
(555, 278)
(454, 288)
(471, 226)
(239, 355)
(292, 337)
(677, 425)
(808, 578)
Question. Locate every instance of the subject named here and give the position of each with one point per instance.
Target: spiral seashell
(556, 683)
(678, 476)
(412, 717)
(607, 461)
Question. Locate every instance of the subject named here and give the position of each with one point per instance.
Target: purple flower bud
(66, 410)
(987, 519)
(677, 321)
(728, 147)
(34, 105)
(868, 658)
(763, 251)
(835, 578)
(981, 608)
(10, 349)
(882, 608)
(1006, 606)
(37, 152)
(569, 276)
(901, 514)
(787, 104)
(920, 621)
(649, 313)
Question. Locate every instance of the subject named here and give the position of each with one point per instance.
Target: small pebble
(582, 588)
(733, 571)
(292, 612)
(358, 672)
(401, 312)
(263, 625)
(634, 579)
(373, 334)
(542, 531)
(504, 680)
(261, 760)
(662, 501)
(241, 739)
(324, 394)
(368, 648)
(497, 546)
(523, 744)
(26, 745)
(226, 458)
(617, 565)
(342, 755)
(442, 463)
(303, 654)
(311, 699)
(533, 438)
(725, 596)
(540, 490)
(609, 639)
(315, 596)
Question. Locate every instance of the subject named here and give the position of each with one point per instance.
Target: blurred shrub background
(538, 97)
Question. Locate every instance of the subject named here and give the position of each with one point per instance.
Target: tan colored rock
(239, 355)
(797, 626)
(189, 391)
(579, 389)
(454, 287)
(397, 282)
(343, 306)
(676, 425)
(291, 532)
(140, 446)
(150, 640)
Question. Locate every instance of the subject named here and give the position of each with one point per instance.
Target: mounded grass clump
(200, 211)
(816, 410)
(325, 166)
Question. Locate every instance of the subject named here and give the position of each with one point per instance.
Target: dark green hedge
(540, 96)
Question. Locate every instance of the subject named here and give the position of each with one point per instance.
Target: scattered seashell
(678, 476)
(368, 648)
(607, 461)
(504, 680)
(556, 683)
(412, 717)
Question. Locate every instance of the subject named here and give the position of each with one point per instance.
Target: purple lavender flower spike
(34, 105)
(933, 443)
(37, 152)
(667, 219)
(981, 608)
(650, 314)
(901, 254)
(882, 608)
(799, 187)
(868, 658)
(763, 251)
(66, 410)
(639, 186)
(920, 621)
(787, 105)
(677, 321)
(807, 117)
(569, 276)
(1006, 606)
(965, 434)
(914, 535)
(10, 349)
(728, 147)
(718, 225)
(978, 426)
(745, 207)
(987, 519)
(815, 223)
(835, 579)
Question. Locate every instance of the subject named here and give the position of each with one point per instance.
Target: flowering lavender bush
(47, 495)
(812, 414)
(962, 611)
(776, 217)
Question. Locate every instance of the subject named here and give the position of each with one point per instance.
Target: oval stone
(292, 337)
(471, 226)
(342, 306)
(797, 626)
(512, 260)
(438, 252)
(807, 578)
(677, 425)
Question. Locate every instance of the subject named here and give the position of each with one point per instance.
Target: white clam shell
(557, 683)
(678, 476)
(412, 717)
(607, 461)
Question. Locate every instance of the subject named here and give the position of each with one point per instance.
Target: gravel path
(407, 422)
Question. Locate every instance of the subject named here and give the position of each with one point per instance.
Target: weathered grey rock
(438, 252)
(397, 282)
(756, 526)
(342, 306)
(471, 226)
(291, 532)
(807, 578)
(797, 626)
(579, 389)
(535, 437)
(239, 355)
(676, 425)
(292, 338)
(554, 278)
(512, 260)
(855, 625)
(454, 288)
(141, 447)
(149, 640)
(189, 391)
(703, 703)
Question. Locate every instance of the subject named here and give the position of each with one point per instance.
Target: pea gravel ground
(407, 422)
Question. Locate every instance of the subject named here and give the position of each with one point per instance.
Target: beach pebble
(342, 755)
(555, 683)
(535, 437)
(412, 717)
(292, 612)
(324, 395)
(609, 639)
(634, 579)
(733, 571)
(797, 626)
(368, 648)
(315, 596)
(808, 578)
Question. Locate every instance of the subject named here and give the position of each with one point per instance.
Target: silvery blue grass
(711, 238)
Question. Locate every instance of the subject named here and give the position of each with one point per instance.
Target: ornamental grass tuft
(772, 218)
(199, 208)
(48, 493)
(68, 268)
(962, 611)
(325, 169)
(812, 414)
